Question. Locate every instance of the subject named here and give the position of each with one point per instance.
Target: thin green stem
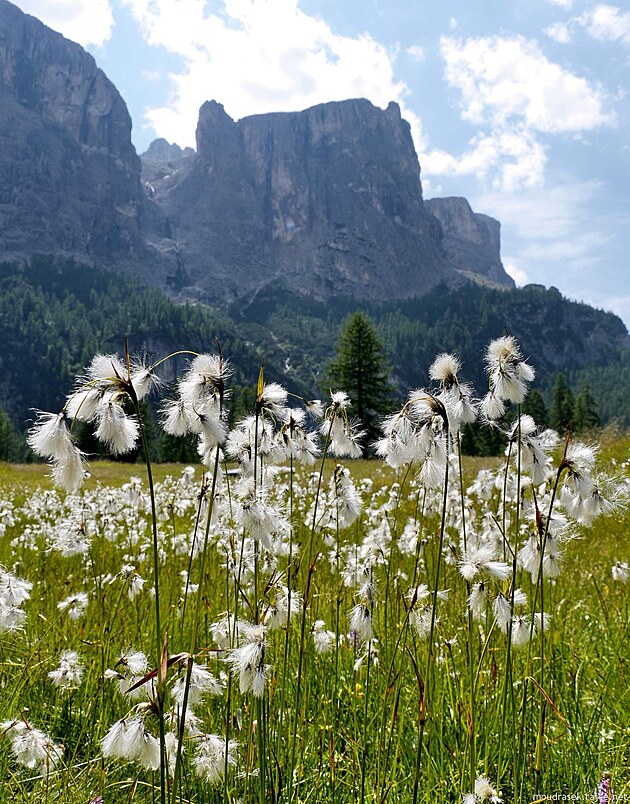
(195, 624)
(160, 640)
(539, 585)
(287, 638)
(173, 354)
(469, 653)
(303, 620)
(427, 702)
(508, 655)
(366, 735)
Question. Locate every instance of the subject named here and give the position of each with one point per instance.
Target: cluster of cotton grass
(31, 747)
(108, 397)
(246, 520)
(102, 397)
(548, 503)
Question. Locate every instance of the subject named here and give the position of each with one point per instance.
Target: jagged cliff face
(472, 242)
(160, 160)
(325, 202)
(328, 201)
(69, 175)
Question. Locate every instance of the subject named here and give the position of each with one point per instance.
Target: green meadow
(424, 704)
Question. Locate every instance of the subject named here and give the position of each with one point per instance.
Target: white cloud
(554, 233)
(508, 160)
(88, 22)
(562, 3)
(257, 56)
(559, 32)
(607, 23)
(513, 270)
(505, 79)
(517, 97)
(604, 22)
(416, 52)
(561, 235)
(551, 216)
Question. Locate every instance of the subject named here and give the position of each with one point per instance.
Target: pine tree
(178, 449)
(11, 447)
(360, 369)
(562, 404)
(534, 405)
(584, 411)
(477, 439)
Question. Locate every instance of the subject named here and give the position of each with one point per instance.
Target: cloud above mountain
(603, 22)
(261, 56)
(518, 97)
(88, 22)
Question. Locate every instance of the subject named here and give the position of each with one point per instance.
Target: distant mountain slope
(555, 334)
(55, 315)
(472, 242)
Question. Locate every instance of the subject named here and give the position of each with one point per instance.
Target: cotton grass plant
(273, 628)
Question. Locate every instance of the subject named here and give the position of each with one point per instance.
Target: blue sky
(522, 107)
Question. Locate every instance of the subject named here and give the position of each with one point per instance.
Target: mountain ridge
(55, 315)
(69, 174)
(329, 198)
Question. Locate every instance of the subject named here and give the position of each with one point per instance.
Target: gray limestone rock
(327, 201)
(472, 241)
(69, 175)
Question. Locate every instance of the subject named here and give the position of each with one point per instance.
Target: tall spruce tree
(562, 404)
(585, 411)
(534, 404)
(11, 445)
(360, 369)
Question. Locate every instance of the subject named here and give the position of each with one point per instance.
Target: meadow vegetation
(287, 623)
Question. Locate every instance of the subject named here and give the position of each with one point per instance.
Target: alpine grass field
(277, 626)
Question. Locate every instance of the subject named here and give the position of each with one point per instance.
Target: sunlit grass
(340, 730)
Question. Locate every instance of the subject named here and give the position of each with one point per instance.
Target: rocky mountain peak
(472, 241)
(326, 202)
(216, 131)
(161, 150)
(56, 78)
(328, 199)
(69, 174)
(161, 161)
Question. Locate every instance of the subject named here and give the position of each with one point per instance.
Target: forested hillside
(56, 314)
(587, 345)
